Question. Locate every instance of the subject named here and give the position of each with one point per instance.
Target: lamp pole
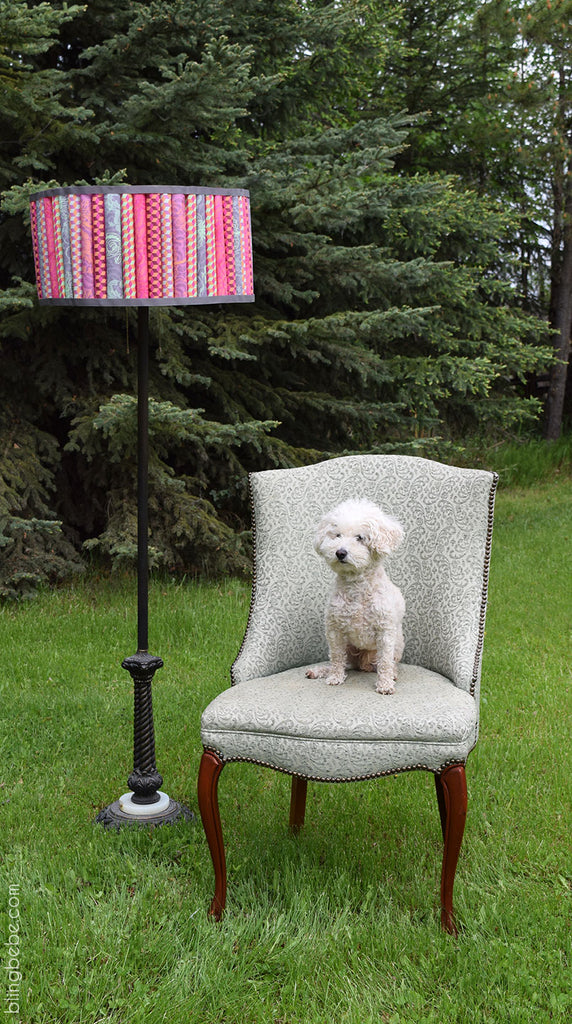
(146, 804)
(143, 478)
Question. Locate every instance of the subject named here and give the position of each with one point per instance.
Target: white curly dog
(365, 612)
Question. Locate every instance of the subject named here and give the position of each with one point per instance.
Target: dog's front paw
(385, 686)
(335, 678)
(316, 672)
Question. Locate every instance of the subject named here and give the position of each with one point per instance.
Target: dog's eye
(360, 538)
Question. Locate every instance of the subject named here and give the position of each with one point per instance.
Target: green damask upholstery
(343, 733)
(273, 715)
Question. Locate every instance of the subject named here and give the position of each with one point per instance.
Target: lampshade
(141, 246)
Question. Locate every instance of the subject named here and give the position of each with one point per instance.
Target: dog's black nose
(341, 554)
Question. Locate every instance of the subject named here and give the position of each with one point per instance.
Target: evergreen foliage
(381, 320)
(491, 85)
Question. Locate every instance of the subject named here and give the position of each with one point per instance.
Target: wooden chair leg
(209, 772)
(441, 804)
(451, 786)
(298, 802)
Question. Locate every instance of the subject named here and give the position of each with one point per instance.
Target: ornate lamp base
(164, 812)
(146, 804)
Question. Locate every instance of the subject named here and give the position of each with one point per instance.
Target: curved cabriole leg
(298, 802)
(451, 786)
(441, 804)
(209, 772)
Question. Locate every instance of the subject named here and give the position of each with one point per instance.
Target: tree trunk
(561, 305)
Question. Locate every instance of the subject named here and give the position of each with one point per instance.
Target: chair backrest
(441, 566)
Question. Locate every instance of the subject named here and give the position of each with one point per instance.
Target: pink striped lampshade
(141, 246)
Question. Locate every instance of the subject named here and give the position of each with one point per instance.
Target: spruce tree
(379, 322)
(37, 123)
(490, 84)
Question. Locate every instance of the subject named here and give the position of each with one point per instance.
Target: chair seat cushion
(339, 733)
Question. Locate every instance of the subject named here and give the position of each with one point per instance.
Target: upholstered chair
(273, 715)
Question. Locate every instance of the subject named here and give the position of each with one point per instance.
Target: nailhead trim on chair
(486, 568)
(319, 778)
(253, 587)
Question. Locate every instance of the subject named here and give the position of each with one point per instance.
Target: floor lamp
(142, 246)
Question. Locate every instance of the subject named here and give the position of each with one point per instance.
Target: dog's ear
(386, 535)
(321, 531)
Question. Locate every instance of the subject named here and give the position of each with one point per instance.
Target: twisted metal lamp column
(146, 804)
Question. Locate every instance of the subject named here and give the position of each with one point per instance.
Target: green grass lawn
(337, 925)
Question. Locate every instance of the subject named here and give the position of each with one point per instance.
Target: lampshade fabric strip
(142, 246)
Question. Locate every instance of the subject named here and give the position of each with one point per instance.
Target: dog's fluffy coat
(365, 612)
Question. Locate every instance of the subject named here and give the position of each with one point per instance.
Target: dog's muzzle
(341, 554)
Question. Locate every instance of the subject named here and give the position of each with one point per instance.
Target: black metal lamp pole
(146, 804)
